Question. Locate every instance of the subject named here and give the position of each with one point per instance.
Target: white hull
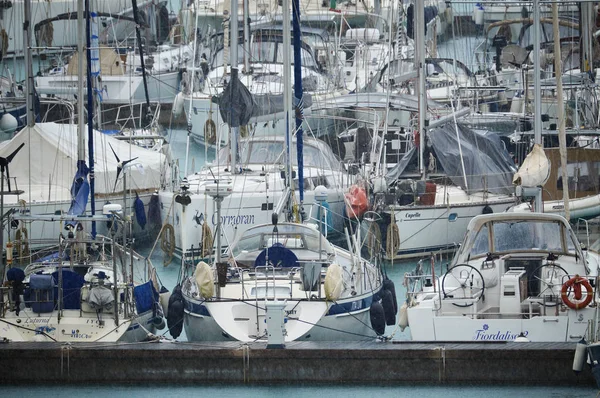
(201, 324)
(513, 277)
(73, 327)
(123, 89)
(586, 208)
(64, 31)
(238, 213)
(44, 232)
(306, 288)
(203, 110)
(424, 326)
(440, 227)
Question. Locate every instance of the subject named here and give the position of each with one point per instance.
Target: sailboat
(71, 290)
(42, 172)
(253, 167)
(446, 175)
(285, 282)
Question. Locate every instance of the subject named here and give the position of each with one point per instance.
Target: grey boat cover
(235, 104)
(488, 164)
(100, 297)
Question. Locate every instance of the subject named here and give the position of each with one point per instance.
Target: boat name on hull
(234, 220)
(485, 334)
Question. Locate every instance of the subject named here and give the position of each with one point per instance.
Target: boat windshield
(510, 236)
(292, 236)
(271, 152)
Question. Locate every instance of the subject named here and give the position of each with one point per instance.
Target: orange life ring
(577, 282)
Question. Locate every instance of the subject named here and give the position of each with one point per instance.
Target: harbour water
(301, 391)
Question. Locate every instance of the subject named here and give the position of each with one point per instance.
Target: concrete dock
(300, 362)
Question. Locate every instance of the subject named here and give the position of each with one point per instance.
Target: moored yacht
(322, 292)
(256, 189)
(516, 274)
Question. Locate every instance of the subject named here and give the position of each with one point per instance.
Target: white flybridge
(41, 173)
(516, 274)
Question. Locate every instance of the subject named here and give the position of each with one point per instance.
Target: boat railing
(270, 279)
(583, 224)
(418, 283)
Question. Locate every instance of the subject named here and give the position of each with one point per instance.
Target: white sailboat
(459, 174)
(285, 282)
(64, 294)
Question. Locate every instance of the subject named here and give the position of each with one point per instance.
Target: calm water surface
(301, 391)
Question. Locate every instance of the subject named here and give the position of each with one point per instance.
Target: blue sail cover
(72, 283)
(145, 296)
(80, 190)
(140, 212)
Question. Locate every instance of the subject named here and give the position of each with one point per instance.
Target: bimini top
(504, 233)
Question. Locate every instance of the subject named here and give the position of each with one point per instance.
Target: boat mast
(299, 99)
(90, 112)
(29, 102)
(537, 92)
(147, 116)
(233, 35)
(287, 90)
(246, 22)
(189, 118)
(80, 89)
(419, 35)
(562, 138)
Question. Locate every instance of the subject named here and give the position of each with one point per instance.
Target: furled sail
(535, 170)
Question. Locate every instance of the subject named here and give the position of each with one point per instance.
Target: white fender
(580, 356)
(204, 279)
(403, 322)
(333, 282)
(164, 302)
(177, 108)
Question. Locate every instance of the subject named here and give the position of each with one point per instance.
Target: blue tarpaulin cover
(145, 296)
(71, 286)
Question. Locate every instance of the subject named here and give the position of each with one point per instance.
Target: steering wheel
(551, 278)
(463, 282)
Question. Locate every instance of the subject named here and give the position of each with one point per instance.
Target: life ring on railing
(210, 132)
(576, 282)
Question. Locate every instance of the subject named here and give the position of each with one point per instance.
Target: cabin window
(523, 235)
(481, 244)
